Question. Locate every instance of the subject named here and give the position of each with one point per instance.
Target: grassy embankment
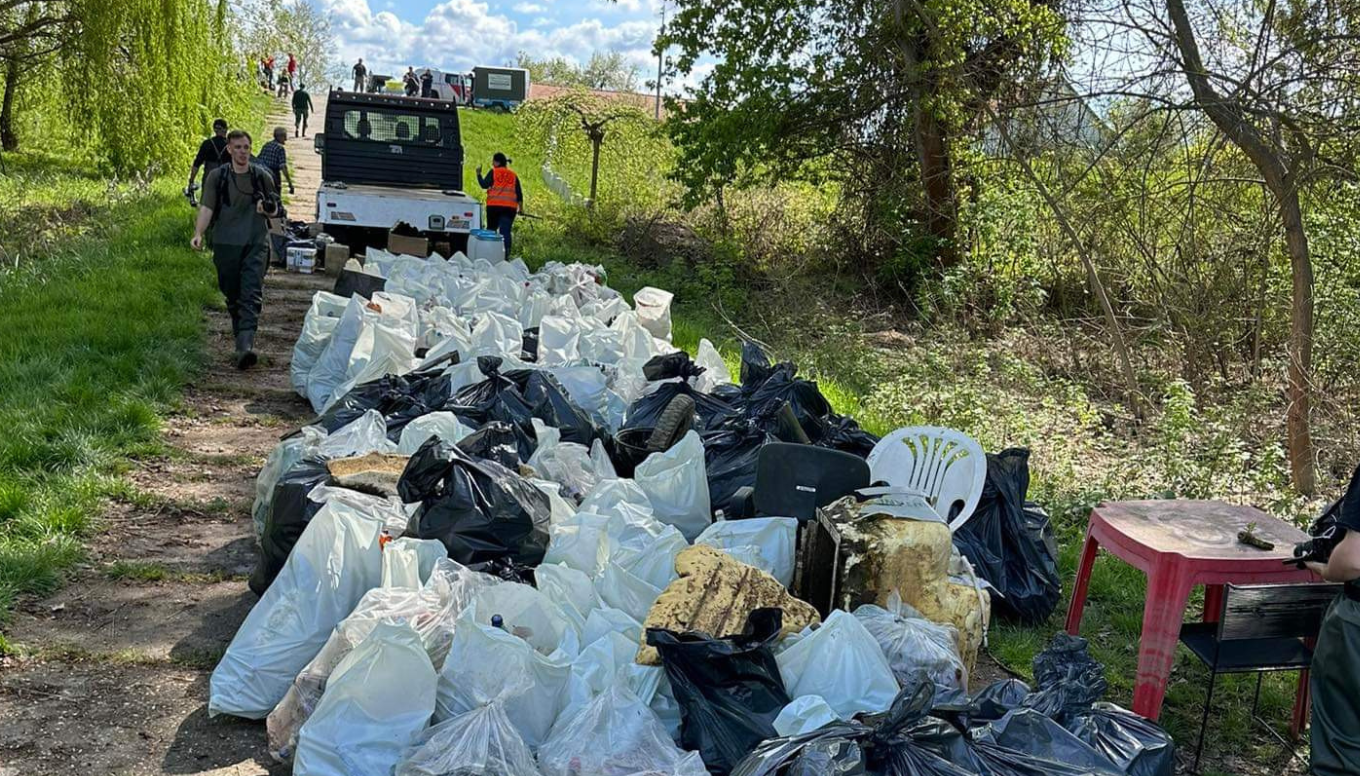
(101, 326)
(1007, 391)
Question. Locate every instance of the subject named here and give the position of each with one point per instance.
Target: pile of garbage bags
(462, 557)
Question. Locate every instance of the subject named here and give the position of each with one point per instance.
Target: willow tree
(153, 74)
(874, 95)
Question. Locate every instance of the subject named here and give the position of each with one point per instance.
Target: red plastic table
(1178, 545)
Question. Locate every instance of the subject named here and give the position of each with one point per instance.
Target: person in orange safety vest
(504, 197)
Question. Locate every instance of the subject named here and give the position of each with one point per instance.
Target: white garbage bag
(381, 349)
(764, 542)
(841, 662)
(620, 497)
(586, 386)
(481, 742)
(444, 425)
(336, 560)
(606, 620)
(431, 611)
(488, 665)
(638, 342)
(654, 311)
(567, 463)
(677, 486)
(611, 658)
(570, 589)
(332, 366)
(623, 590)
(559, 341)
(615, 734)
(602, 346)
(379, 699)
(528, 614)
(579, 542)
(644, 548)
(388, 509)
(715, 373)
(408, 562)
(914, 644)
(317, 327)
(804, 715)
(533, 308)
(493, 332)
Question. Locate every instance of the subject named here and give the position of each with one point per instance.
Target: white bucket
(486, 244)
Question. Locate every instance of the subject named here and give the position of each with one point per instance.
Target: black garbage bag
(729, 689)
(1069, 685)
(289, 513)
(1010, 543)
(399, 398)
(998, 698)
(548, 401)
(668, 366)
(508, 570)
(350, 283)
(529, 348)
(710, 412)
(841, 432)
(504, 443)
(730, 456)
(803, 397)
(1042, 738)
(479, 509)
(904, 741)
(519, 396)
(755, 366)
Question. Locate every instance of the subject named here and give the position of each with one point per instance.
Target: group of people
(413, 84)
(284, 81)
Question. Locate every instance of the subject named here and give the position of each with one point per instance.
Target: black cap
(500, 158)
(219, 123)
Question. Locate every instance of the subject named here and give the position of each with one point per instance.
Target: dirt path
(114, 673)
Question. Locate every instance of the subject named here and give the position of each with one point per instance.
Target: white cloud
(528, 8)
(458, 34)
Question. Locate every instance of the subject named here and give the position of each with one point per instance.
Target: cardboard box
(444, 249)
(301, 260)
(409, 246)
(336, 256)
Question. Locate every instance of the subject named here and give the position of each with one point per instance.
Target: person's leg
(305, 116)
(297, 122)
(507, 223)
(1335, 678)
(227, 260)
(254, 262)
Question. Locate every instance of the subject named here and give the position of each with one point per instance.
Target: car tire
(675, 421)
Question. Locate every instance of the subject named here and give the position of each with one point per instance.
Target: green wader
(240, 276)
(1335, 686)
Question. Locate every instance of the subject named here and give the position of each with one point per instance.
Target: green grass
(98, 334)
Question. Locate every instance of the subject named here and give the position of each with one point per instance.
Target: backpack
(260, 181)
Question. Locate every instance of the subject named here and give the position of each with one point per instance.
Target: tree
(297, 28)
(873, 95)
(595, 117)
(30, 33)
(609, 71)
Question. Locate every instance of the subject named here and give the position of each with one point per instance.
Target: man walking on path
(274, 158)
(236, 200)
(302, 108)
(211, 153)
(360, 76)
(504, 197)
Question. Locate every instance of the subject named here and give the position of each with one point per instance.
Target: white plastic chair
(945, 465)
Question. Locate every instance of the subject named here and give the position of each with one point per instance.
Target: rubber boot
(245, 355)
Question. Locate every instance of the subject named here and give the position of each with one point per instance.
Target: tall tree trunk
(9, 139)
(937, 179)
(596, 139)
(929, 138)
(1232, 121)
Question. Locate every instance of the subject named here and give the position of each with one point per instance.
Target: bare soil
(112, 676)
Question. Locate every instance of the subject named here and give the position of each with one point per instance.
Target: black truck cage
(391, 140)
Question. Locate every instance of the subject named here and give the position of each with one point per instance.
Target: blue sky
(457, 34)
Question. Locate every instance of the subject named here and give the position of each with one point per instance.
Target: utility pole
(660, 56)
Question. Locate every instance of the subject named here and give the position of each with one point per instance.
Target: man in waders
(237, 199)
(504, 197)
(1335, 680)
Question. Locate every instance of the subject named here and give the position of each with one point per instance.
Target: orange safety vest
(502, 191)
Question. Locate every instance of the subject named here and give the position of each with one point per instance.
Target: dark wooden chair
(1261, 628)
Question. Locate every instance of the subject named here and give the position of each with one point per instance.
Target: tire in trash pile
(675, 421)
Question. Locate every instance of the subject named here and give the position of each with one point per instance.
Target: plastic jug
(486, 244)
